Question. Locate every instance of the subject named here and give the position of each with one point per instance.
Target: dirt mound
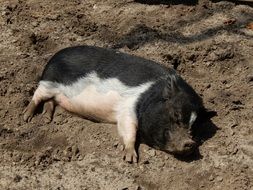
(209, 43)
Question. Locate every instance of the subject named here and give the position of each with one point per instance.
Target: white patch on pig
(192, 118)
(97, 98)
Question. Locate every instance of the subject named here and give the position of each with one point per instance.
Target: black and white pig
(135, 93)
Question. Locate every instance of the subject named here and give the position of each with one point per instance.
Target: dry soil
(209, 43)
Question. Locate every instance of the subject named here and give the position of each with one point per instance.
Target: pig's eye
(166, 133)
(177, 122)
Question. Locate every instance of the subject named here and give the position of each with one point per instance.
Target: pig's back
(71, 64)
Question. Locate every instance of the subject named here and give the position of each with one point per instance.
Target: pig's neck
(149, 98)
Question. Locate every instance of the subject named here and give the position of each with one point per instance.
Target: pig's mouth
(185, 152)
(181, 151)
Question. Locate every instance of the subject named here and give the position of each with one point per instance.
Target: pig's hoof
(29, 111)
(48, 111)
(130, 156)
(27, 116)
(47, 118)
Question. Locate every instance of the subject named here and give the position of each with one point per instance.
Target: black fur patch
(69, 64)
(158, 113)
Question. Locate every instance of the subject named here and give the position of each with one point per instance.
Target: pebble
(244, 166)
(98, 144)
(219, 179)
(80, 158)
(166, 157)
(152, 152)
(35, 23)
(141, 167)
(249, 78)
(211, 178)
(208, 63)
(68, 153)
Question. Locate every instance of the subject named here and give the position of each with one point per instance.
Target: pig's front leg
(127, 128)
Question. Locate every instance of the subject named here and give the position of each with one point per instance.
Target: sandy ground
(209, 43)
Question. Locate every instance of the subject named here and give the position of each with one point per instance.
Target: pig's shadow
(203, 129)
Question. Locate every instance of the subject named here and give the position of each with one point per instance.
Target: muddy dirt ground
(209, 43)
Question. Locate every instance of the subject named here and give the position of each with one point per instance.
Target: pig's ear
(173, 83)
(171, 87)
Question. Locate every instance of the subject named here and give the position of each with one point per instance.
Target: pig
(139, 95)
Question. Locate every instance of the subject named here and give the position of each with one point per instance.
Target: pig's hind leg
(48, 110)
(42, 93)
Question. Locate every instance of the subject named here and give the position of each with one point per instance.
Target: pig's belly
(92, 104)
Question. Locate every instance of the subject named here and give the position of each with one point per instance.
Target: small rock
(208, 63)
(141, 167)
(53, 17)
(34, 23)
(98, 144)
(68, 153)
(211, 178)
(80, 158)
(152, 152)
(244, 166)
(166, 157)
(4, 13)
(249, 78)
(219, 179)
(228, 86)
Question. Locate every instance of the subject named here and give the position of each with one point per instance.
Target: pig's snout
(187, 146)
(180, 143)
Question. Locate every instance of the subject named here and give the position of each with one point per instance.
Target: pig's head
(168, 119)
